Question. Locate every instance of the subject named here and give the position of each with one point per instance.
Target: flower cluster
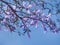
(26, 14)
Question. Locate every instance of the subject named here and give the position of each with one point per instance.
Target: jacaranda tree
(28, 13)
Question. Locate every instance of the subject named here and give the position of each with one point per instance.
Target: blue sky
(38, 37)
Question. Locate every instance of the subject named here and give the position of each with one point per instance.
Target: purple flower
(32, 22)
(43, 26)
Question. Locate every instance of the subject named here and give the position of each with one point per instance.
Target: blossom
(37, 11)
(43, 26)
(36, 25)
(25, 3)
(32, 22)
(49, 15)
(28, 34)
(14, 7)
(28, 11)
(7, 12)
(7, 16)
(4, 21)
(29, 6)
(25, 19)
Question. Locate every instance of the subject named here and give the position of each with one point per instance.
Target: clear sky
(38, 37)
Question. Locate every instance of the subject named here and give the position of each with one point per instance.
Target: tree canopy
(24, 14)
